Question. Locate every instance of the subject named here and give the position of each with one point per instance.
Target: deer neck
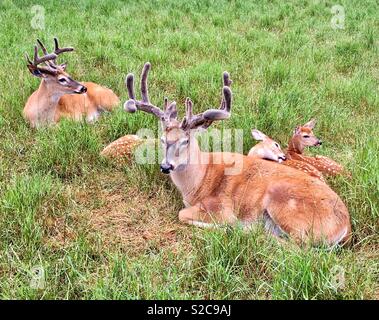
(189, 180)
(257, 151)
(294, 146)
(44, 104)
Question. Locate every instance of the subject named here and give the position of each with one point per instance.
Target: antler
(205, 119)
(38, 60)
(57, 50)
(132, 105)
(49, 58)
(169, 113)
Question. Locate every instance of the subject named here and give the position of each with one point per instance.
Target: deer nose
(82, 89)
(281, 158)
(166, 168)
(319, 142)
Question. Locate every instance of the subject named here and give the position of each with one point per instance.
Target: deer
(225, 188)
(269, 149)
(122, 149)
(59, 96)
(302, 137)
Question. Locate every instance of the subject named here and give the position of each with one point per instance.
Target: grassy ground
(100, 231)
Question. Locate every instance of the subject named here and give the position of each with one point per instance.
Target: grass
(100, 231)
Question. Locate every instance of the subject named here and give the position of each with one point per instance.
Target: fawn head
(177, 135)
(267, 148)
(53, 74)
(303, 136)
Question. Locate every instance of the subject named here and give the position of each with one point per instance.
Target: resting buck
(59, 95)
(270, 150)
(289, 202)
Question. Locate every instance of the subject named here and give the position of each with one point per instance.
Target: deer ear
(297, 130)
(257, 135)
(310, 124)
(63, 66)
(35, 71)
(172, 111)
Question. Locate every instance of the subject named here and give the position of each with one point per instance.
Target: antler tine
(130, 86)
(42, 47)
(50, 63)
(165, 104)
(58, 50)
(206, 118)
(186, 122)
(227, 99)
(221, 114)
(189, 109)
(28, 59)
(38, 60)
(227, 83)
(132, 105)
(226, 78)
(144, 88)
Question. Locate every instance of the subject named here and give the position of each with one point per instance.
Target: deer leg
(196, 216)
(209, 213)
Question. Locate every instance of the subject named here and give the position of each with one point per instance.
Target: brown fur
(323, 164)
(270, 150)
(97, 99)
(225, 188)
(122, 149)
(60, 96)
(305, 167)
(301, 206)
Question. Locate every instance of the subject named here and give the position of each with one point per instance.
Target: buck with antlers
(302, 137)
(289, 202)
(61, 96)
(270, 150)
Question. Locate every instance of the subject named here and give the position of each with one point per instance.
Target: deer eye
(306, 136)
(277, 145)
(62, 80)
(185, 142)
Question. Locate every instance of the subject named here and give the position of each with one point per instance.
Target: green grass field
(104, 232)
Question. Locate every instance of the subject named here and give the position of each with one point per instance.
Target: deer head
(303, 136)
(54, 75)
(267, 148)
(177, 135)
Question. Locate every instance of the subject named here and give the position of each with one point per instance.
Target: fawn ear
(310, 124)
(257, 135)
(297, 130)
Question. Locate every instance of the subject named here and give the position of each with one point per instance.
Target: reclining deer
(269, 149)
(302, 137)
(59, 95)
(289, 202)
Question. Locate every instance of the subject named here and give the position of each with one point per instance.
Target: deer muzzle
(166, 168)
(319, 143)
(82, 89)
